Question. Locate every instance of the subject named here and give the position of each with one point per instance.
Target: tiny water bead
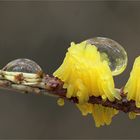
(60, 102)
(23, 65)
(112, 52)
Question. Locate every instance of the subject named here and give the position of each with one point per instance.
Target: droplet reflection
(112, 52)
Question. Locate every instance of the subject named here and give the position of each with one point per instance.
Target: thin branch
(52, 86)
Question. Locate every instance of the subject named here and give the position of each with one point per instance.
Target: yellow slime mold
(132, 88)
(84, 74)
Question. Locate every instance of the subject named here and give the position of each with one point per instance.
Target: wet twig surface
(52, 86)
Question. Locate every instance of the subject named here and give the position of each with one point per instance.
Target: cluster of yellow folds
(85, 75)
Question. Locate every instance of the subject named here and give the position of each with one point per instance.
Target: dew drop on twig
(23, 65)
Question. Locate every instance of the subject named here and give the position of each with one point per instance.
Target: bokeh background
(42, 31)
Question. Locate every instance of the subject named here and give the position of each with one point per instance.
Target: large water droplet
(112, 52)
(23, 65)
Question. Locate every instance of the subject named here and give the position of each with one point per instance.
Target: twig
(52, 86)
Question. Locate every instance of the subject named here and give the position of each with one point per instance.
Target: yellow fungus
(132, 88)
(84, 74)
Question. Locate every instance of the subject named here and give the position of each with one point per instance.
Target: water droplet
(112, 52)
(60, 102)
(23, 65)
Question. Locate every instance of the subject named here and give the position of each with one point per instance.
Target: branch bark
(52, 86)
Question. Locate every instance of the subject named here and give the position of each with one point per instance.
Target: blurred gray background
(42, 31)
